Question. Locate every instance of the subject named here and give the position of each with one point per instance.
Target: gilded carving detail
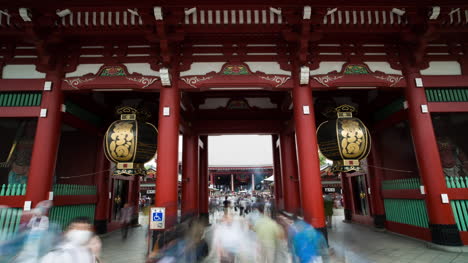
(192, 81)
(122, 145)
(143, 80)
(325, 79)
(352, 145)
(277, 79)
(77, 81)
(391, 79)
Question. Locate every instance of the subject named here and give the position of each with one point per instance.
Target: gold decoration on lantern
(344, 140)
(122, 146)
(130, 142)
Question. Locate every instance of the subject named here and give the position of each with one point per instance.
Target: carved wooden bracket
(357, 75)
(236, 75)
(114, 76)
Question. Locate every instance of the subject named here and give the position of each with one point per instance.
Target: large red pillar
(376, 177)
(135, 199)
(441, 220)
(167, 158)
(189, 203)
(101, 179)
(291, 192)
(46, 142)
(307, 153)
(277, 173)
(203, 179)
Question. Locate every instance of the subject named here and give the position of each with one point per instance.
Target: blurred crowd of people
(245, 228)
(40, 241)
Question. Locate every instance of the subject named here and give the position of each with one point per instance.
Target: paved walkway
(351, 243)
(133, 249)
(361, 244)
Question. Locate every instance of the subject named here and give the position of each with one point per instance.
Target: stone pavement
(354, 243)
(351, 243)
(133, 249)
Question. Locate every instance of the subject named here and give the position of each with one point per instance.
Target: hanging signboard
(157, 218)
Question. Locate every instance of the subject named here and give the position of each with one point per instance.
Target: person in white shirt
(75, 246)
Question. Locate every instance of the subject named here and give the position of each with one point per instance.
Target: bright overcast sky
(240, 150)
(236, 150)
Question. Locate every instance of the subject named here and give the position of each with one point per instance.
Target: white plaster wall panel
(267, 68)
(142, 68)
(84, 69)
(326, 67)
(442, 68)
(201, 68)
(22, 72)
(383, 67)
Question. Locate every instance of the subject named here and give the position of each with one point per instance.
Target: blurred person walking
(242, 206)
(226, 204)
(328, 203)
(308, 244)
(269, 235)
(75, 247)
(38, 239)
(126, 219)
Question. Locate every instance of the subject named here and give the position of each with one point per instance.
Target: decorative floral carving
(235, 70)
(277, 79)
(192, 81)
(77, 81)
(112, 71)
(355, 69)
(325, 79)
(143, 80)
(390, 78)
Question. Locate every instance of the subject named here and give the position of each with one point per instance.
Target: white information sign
(157, 218)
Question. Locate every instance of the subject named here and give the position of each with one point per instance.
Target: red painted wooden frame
(402, 194)
(22, 84)
(448, 106)
(450, 81)
(13, 201)
(457, 193)
(409, 230)
(62, 200)
(20, 112)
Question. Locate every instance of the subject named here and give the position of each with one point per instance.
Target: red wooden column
(167, 160)
(135, 199)
(376, 177)
(101, 179)
(291, 192)
(203, 179)
(189, 204)
(307, 153)
(277, 173)
(441, 220)
(46, 142)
